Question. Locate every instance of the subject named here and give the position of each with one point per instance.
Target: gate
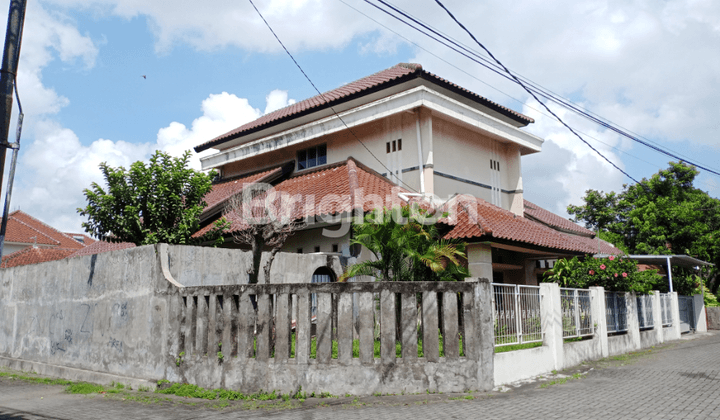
(687, 314)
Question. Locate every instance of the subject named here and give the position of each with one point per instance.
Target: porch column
(480, 261)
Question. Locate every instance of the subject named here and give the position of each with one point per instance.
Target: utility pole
(8, 72)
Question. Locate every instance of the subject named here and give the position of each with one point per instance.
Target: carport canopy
(669, 260)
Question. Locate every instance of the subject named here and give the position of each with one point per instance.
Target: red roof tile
(18, 231)
(98, 247)
(380, 80)
(537, 213)
(64, 240)
(323, 191)
(224, 190)
(476, 218)
(33, 255)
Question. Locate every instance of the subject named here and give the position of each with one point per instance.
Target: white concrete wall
(699, 311)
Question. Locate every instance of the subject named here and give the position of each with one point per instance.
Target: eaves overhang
(319, 103)
(406, 100)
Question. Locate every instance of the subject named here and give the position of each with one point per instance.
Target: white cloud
(221, 113)
(212, 24)
(566, 168)
(55, 168)
(277, 99)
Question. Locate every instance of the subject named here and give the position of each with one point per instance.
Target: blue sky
(651, 68)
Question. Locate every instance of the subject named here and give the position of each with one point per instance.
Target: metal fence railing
(665, 309)
(645, 311)
(616, 312)
(516, 311)
(576, 313)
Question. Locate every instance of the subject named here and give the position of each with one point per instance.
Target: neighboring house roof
(397, 74)
(539, 214)
(86, 240)
(327, 190)
(35, 255)
(98, 247)
(20, 232)
(64, 241)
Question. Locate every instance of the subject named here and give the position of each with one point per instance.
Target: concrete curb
(73, 374)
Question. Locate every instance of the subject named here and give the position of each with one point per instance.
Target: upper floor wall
(424, 138)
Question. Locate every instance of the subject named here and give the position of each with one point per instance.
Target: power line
(390, 172)
(539, 111)
(528, 84)
(534, 96)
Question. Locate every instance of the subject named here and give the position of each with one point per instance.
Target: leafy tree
(665, 214)
(149, 203)
(406, 248)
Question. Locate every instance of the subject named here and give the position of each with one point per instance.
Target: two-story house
(398, 135)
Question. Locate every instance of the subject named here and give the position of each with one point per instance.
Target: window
(393, 146)
(494, 165)
(335, 247)
(311, 157)
(299, 250)
(317, 249)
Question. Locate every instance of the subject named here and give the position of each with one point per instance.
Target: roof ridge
(33, 228)
(52, 228)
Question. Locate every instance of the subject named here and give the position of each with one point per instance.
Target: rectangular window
(299, 250)
(399, 144)
(387, 145)
(317, 249)
(394, 146)
(334, 247)
(311, 157)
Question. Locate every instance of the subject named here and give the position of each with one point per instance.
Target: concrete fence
(631, 327)
(128, 316)
(187, 314)
(222, 341)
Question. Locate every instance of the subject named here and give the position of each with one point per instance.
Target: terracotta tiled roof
(87, 240)
(64, 240)
(380, 80)
(98, 247)
(489, 221)
(326, 189)
(533, 211)
(224, 190)
(595, 245)
(33, 255)
(18, 231)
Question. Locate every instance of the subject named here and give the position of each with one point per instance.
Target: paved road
(680, 381)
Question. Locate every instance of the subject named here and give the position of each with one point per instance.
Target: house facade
(399, 135)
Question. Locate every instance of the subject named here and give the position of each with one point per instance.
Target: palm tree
(406, 248)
